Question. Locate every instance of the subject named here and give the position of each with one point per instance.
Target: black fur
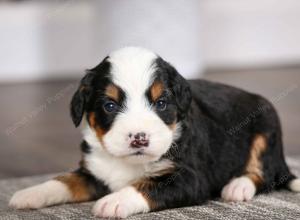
(81, 98)
(84, 98)
(211, 152)
(90, 96)
(177, 85)
(219, 124)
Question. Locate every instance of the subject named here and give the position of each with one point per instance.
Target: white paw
(294, 185)
(42, 195)
(121, 204)
(238, 190)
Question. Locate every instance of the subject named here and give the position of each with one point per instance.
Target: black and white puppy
(153, 141)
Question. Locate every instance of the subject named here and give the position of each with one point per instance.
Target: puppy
(153, 141)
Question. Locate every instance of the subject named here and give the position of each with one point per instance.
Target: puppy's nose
(140, 136)
(139, 140)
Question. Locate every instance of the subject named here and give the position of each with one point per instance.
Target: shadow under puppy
(153, 141)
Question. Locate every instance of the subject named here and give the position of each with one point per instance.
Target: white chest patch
(112, 171)
(115, 172)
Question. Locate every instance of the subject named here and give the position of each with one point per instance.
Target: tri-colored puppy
(153, 141)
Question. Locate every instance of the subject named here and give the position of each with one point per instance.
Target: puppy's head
(133, 102)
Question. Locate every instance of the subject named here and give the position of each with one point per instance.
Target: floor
(37, 135)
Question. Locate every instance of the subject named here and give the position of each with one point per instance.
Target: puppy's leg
(244, 188)
(239, 189)
(42, 195)
(179, 188)
(121, 204)
(72, 187)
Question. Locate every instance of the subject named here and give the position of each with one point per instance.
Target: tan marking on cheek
(254, 166)
(99, 131)
(112, 92)
(77, 186)
(172, 126)
(156, 90)
(92, 119)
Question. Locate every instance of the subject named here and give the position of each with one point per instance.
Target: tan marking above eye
(254, 166)
(112, 92)
(156, 90)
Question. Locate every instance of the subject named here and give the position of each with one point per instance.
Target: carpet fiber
(277, 205)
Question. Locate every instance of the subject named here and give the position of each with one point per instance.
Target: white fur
(133, 71)
(42, 195)
(160, 136)
(121, 204)
(239, 189)
(294, 185)
(113, 171)
(116, 172)
(114, 163)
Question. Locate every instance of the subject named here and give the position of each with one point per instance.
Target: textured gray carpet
(277, 205)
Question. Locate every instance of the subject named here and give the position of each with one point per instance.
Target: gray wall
(52, 39)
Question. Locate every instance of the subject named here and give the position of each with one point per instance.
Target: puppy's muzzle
(139, 140)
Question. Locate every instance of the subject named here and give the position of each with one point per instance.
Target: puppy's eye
(110, 106)
(161, 105)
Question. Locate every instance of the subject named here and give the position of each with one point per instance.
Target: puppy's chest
(113, 172)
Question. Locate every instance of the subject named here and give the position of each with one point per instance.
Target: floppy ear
(81, 98)
(178, 85)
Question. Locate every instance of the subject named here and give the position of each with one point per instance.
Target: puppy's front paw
(42, 195)
(239, 189)
(121, 204)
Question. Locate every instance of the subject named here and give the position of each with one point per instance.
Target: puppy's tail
(294, 184)
(288, 180)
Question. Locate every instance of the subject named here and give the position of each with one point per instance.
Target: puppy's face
(133, 102)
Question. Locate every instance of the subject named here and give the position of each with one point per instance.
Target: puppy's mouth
(138, 153)
(140, 157)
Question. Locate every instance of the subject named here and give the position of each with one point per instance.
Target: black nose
(140, 140)
(140, 135)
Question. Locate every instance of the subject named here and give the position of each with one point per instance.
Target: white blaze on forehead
(132, 70)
